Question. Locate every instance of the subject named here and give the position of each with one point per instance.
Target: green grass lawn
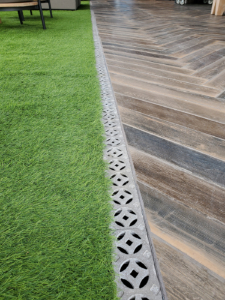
(55, 241)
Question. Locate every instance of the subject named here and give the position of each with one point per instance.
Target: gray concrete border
(137, 271)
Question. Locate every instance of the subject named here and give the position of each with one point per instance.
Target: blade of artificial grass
(55, 241)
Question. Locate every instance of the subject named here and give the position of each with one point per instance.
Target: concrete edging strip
(137, 271)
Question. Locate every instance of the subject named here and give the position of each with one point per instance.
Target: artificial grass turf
(54, 206)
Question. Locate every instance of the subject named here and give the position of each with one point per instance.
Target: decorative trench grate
(138, 277)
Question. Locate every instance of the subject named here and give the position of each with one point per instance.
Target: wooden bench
(19, 6)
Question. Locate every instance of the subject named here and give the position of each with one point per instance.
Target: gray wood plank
(184, 278)
(190, 138)
(196, 162)
(177, 183)
(165, 80)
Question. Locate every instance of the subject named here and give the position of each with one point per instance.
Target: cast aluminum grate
(134, 266)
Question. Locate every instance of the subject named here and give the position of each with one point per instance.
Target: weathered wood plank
(196, 140)
(201, 238)
(206, 60)
(196, 162)
(208, 49)
(144, 56)
(184, 278)
(110, 44)
(179, 78)
(166, 96)
(147, 64)
(212, 70)
(218, 81)
(169, 109)
(179, 47)
(179, 184)
(165, 81)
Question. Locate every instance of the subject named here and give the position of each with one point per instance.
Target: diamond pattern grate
(136, 275)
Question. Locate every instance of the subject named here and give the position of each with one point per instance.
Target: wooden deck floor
(167, 66)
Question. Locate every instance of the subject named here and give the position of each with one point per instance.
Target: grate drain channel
(137, 274)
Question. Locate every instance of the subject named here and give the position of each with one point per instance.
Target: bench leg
(20, 16)
(50, 8)
(31, 12)
(41, 13)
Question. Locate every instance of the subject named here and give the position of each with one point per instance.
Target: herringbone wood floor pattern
(167, 66)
